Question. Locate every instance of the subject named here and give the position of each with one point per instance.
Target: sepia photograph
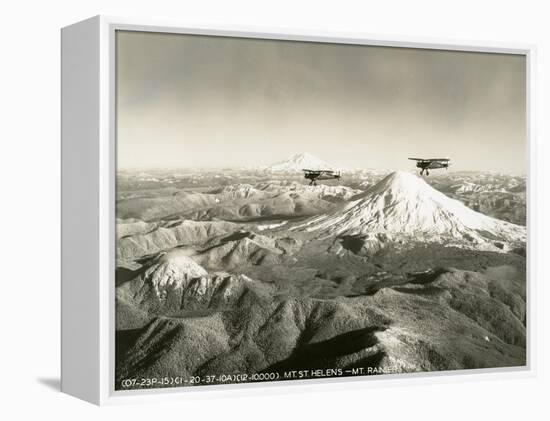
(291, 210)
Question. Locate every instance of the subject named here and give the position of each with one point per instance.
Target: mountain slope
(404, 207)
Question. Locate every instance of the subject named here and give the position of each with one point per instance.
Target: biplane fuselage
(314, 175)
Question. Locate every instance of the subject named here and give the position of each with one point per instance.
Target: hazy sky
(197, 101)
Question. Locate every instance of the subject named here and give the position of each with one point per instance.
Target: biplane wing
(319, 171)
(430, 159)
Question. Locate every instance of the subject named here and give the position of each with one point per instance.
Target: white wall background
(29, 205)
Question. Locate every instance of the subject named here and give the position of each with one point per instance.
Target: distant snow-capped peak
(299, 162)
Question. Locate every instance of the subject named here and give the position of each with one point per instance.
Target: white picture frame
(88, 210)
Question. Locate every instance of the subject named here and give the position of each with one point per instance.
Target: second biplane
(427, 164)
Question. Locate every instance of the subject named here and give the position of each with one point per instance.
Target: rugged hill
(237, 191)
(441, 320)
(298, 162)
(137, 239)
(244, 248)
(321, 191)
(177, 285)
(235, 202)
(178, 279)
(506, 206)
(403, 207)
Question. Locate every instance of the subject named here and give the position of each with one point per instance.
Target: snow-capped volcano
(402, 206)
(172, 270)
(298, 162)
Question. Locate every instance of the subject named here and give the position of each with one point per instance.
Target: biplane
(314, 175)
(427, 164)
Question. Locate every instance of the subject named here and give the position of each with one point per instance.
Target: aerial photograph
(290, 210)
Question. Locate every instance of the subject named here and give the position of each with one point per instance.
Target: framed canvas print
(247, 209)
